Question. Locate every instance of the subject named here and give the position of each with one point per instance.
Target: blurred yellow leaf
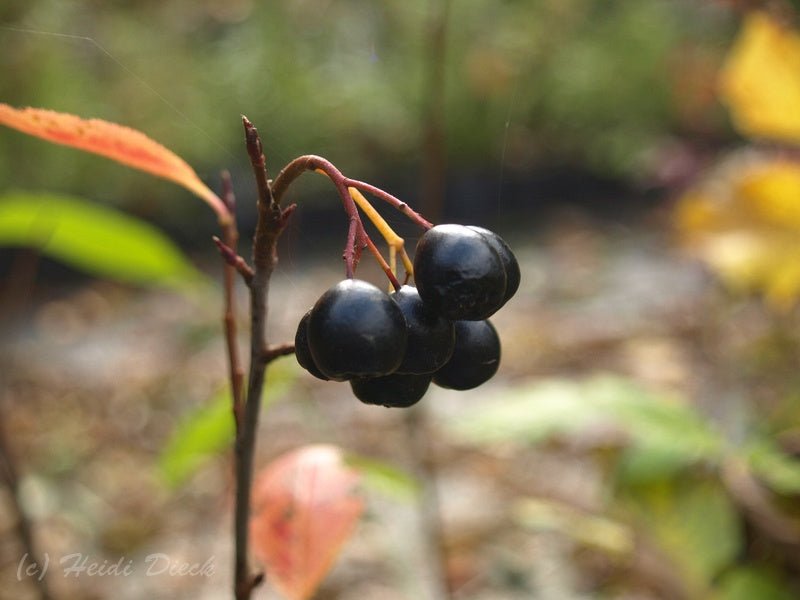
(744, 223)
(760, 81)
(772, 193)
(591, 530)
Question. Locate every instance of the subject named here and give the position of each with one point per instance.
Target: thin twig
(277, 350)
(270, 224)
(259, 163)
(230, 236)
(24, 529)
(234, 260)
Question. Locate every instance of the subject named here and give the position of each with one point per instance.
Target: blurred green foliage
(529, 84)
(665, 436)
(94, 239)
(208, 430)
(676, 479)
(384, 477)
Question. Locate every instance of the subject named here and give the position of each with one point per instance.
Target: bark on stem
(270, 224)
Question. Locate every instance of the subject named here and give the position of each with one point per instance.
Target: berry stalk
(395, 242)
(387, 268)
(357, 237)
(391, 200)
(310, 162)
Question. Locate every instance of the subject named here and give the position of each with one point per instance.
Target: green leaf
(530, 413)
(95, 239)
(200, 435)
(664, 434)
(694, 522)
(645, 463)
(667, 436)
(383, 477)
(778, 470)
(209, 429)
(751, 583)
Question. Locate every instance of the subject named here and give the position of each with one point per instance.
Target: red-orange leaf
(305, 507)
(122, 144)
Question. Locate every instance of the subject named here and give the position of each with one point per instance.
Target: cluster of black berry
(391, 346)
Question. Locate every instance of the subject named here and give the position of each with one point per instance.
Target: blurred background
(641, 438)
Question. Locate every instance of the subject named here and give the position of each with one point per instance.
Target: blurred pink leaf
(305, 507)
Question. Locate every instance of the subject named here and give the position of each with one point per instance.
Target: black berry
(510, 263)
(397, 390)
(475, 358)
(356, 330)
(458, 273)
(430, 337)
(301, 350)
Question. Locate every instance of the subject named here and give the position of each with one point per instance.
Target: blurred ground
(95, 379)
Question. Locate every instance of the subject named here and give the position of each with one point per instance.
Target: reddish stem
(310, 162)
(349, 254)
(230, 235)
(384, 265)
(357, 237)
(234, 260)
(388, 198)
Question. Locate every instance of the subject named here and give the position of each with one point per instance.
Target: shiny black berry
(301, 350)
(430, 336)
(475, 358)
(458, 273)
(510, 263)
(398, 390)
(356, 330)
